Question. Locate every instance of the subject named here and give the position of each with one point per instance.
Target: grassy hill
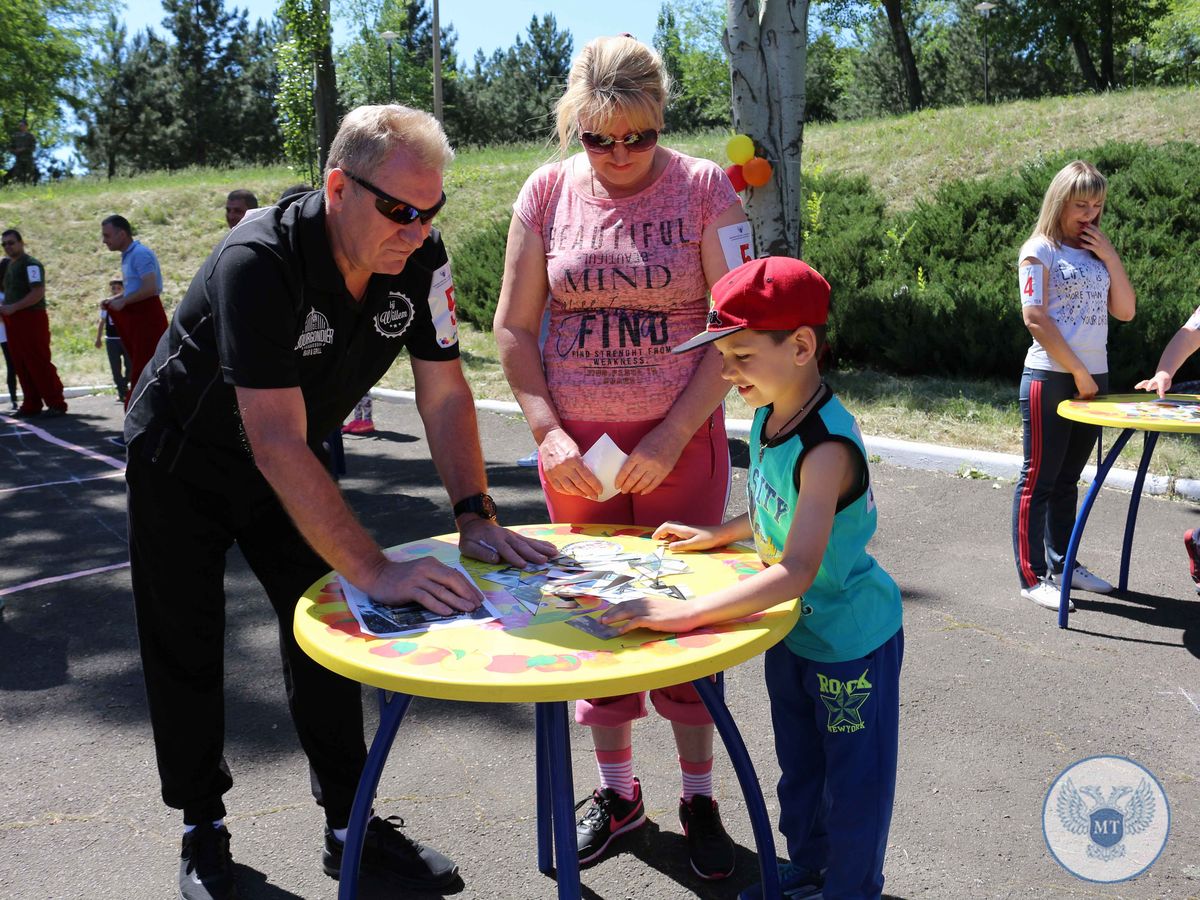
(181, 215)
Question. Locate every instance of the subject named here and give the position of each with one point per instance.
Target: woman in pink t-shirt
(623, 241)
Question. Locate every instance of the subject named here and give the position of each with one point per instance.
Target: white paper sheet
(605, 459)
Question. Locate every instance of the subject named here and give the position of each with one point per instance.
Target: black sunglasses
(634, 142)
(397, 210)
(8, 243)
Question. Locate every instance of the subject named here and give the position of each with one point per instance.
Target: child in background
(834, 680)
(1185, 342)
(1071, 280)
(362, 423)
(118, 359)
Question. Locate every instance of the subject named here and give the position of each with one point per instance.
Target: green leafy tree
(307, 29)
(1174, 43)
(363, 72)
(41, 59)
(689, 39)
(510, 95)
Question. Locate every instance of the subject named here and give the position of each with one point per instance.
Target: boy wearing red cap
(834, 681)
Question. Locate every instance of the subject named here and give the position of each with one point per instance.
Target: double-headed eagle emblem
(1106, 821)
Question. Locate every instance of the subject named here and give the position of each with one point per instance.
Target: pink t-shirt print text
(626, 284)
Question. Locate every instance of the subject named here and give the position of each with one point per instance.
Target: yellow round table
(520, 659)
(1179, 413)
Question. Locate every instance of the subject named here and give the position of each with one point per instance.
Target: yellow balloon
(740, 148)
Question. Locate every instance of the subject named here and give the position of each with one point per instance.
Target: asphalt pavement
(997, 701)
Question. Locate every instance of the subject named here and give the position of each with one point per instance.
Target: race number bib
(1031, 285)
(34, 274)
(441, 307)
(737, 242)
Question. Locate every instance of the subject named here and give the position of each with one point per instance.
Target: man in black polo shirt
(289, 322)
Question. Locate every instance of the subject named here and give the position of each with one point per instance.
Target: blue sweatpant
(836, 738)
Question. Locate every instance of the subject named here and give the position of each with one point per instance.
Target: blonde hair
(1075, 180)
(369, 134)
(611, 77)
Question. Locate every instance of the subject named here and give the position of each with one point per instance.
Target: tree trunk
(912, 78)
(767, 42)
(1104, 13)
(325, 97)
(1084, 55)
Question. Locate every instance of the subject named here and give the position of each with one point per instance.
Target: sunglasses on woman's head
(397, 210)
(634, 142)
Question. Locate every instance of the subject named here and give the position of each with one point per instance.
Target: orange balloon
(756, 171)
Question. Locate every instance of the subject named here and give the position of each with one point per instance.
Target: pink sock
(697, 778)
(616, 771)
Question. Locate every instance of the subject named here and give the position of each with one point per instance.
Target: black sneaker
(387, 852)
(206, 866)
(710, 849)
(608, 816)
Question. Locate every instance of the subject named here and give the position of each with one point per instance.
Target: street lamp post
(1135, 51)
(388, 38)
(985, 9)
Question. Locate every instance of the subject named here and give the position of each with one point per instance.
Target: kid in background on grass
(1070, 280)
(1185, 342)
(834, 680)
(106, 333)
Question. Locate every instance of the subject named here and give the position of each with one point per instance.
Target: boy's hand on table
(1160, 383)
(657, 614)
(687, 537)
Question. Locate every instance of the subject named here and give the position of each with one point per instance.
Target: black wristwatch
(481, 504)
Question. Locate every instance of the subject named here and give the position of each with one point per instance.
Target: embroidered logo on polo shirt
(394, 321)
(316, 335)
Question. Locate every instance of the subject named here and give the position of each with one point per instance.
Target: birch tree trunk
(767, 42)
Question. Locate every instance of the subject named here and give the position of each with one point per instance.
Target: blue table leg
(764, 839)
(391, 713)
(562, 789)
(545, 809)
(1064, 597)
(1131, 518)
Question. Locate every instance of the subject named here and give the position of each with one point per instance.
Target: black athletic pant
(118, 364)
(11, 372)
(179, 533)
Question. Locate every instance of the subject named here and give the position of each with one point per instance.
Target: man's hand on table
(426, 581)
(484, 540)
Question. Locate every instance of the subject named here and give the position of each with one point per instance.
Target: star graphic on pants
(843, 707)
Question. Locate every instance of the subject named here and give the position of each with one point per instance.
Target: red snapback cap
(775, 293)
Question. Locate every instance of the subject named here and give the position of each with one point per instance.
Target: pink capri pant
(696, 490)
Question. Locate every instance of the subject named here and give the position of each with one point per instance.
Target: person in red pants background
(138, 312)
(28, 327)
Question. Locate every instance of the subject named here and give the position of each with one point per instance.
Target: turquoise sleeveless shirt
(853, 605)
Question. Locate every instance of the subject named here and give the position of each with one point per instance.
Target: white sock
(340, 834)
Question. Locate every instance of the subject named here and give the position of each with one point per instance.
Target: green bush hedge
(478, 265)
(932, 291)
(935, 291)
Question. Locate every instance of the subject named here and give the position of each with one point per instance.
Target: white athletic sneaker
(1046, 594)
(1084, 580)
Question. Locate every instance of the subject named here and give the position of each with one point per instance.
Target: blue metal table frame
(555, 791)
(1064, 598)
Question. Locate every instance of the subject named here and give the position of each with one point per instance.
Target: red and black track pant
(1056, 451)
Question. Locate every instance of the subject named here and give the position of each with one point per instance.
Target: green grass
(180, 216)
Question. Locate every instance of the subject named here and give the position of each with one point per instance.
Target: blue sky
(481, 24)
